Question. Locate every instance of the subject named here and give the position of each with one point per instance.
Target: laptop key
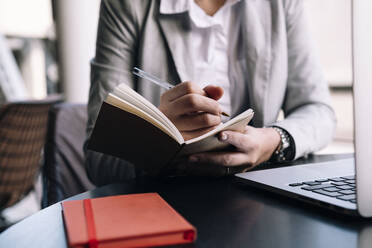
(349, 177)
(345, 187)
(331, 194)
(332, 189)
(346, 192)
(350, 181)
(320, 186)
(339, 183)
(337, 179)
(353, 200)
(295, 184)
(311, 183)
(347, 197)
(321, 180)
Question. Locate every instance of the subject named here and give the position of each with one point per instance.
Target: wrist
(270, 142)
(278, 141)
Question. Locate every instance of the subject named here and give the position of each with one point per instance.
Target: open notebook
(130, 127)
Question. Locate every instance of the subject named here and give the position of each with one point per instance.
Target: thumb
(234, 138)
(214, 92)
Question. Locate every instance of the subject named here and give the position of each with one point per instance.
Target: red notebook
(136, 220)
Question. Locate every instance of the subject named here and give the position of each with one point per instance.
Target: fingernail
(223, 137)
(193, 159)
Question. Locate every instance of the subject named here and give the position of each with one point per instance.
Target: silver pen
(142, 74)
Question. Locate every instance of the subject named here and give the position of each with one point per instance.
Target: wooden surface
(225, 214)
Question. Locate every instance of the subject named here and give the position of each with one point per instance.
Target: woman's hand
(194, 111)
(254, 146)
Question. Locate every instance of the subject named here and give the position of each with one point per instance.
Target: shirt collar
(169, 7)
(180, 6)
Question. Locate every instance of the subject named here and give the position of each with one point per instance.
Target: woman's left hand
(254, 146)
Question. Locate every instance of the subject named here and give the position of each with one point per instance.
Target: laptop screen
(362, 88)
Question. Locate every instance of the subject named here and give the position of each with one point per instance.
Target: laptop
(343, 185)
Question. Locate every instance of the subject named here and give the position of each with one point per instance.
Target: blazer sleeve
(309, 117)
(115, 52)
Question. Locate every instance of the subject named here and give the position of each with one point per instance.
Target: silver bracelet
(284, 144)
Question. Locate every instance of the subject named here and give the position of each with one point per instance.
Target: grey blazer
(272, 67)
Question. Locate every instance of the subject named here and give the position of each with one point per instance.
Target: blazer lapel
(176, 30)
(256, 31)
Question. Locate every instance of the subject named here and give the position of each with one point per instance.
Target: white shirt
(210, 36)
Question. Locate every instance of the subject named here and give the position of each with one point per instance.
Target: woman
(230, 55)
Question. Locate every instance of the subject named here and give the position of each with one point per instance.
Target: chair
(23, 128)
(63, 171)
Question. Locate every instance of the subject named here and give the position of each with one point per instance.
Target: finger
(181, 90)
(187, 135)
(237, 139)
(221, 158)
(197, 121)
(214, 92)
(192, 103)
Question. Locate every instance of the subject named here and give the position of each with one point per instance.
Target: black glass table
(225, 213)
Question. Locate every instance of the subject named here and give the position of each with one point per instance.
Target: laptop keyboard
(342, 188)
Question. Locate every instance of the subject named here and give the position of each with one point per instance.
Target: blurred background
(330, 26)
(46, 46)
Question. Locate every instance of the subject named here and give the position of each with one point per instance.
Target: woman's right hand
(194, 111)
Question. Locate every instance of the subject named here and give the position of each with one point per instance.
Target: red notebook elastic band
(91, 227)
